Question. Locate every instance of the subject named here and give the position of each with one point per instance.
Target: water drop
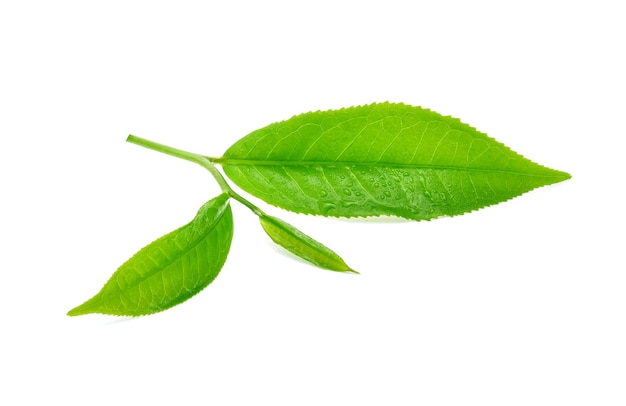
(325, 207)
(323, 193)
(347, 192)
(387, 193)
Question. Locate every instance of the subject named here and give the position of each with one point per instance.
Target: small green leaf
(300, 244)
(380, 159)
(171, 269)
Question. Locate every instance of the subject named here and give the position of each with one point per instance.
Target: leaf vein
(147, 275)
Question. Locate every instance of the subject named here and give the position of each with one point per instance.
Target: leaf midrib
(201, 238)
(253, 162)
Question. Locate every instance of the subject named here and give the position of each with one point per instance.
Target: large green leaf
(380, 159)
(171, 269)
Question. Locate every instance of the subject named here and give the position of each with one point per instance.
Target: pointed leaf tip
(90, 306)
(78, 311)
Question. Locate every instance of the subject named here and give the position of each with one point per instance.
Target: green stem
(205, 162)
(179, 153)
(220, 179)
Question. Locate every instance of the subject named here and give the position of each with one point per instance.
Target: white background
(523, 303)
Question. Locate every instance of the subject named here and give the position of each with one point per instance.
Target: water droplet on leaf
(325, 207)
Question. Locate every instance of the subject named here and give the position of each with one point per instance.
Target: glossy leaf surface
(380, 159)
(171, 269)
(300, 244)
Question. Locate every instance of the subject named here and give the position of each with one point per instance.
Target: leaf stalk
(203, 161)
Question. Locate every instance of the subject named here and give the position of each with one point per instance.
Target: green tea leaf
(380, 159)
(300, 244)
(171, 269)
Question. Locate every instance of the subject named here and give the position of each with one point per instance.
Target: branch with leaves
(379, 159)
